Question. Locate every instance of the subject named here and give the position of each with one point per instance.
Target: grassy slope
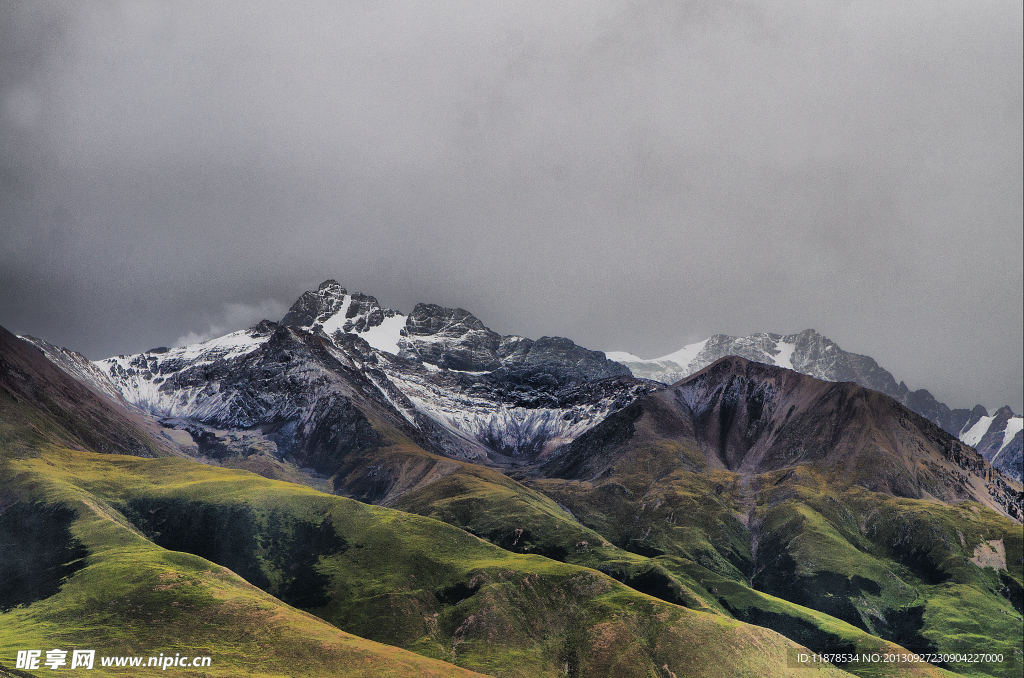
(906, 564)
(693, 572)
(893, 567)
(400, 578)
(135, 598)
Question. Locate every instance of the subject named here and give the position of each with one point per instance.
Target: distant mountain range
(525, 397)
(538, 508)
(998, 437)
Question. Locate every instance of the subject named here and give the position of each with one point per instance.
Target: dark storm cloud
(633, 175)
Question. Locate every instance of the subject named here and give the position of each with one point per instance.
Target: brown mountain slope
(749, 418)
(40, 403)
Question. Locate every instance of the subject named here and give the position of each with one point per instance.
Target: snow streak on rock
(147, 380)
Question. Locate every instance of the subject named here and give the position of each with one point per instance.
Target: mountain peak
(332, 309)
(737, 366)
(313, 307)
(431, 319)
(332, 286)
(752, 418)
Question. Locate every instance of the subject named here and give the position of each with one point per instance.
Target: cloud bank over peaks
(234, 317)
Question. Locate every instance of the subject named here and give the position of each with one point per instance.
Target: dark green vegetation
(234, 535)
(39, 552)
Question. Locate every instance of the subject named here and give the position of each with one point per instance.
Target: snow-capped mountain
(159, 380)
(516, 396)
(449, 382)
(807, 352)
(440, 373)
(818, 356)
(999, 438)
(332, 309)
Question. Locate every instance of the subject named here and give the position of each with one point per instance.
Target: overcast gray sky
(635, 175)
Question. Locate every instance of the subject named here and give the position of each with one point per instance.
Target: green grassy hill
(373, 572)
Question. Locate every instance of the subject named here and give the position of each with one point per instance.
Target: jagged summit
(332, 309)
(450, 338)
(439, 374)
(317, 306)
(447, 338)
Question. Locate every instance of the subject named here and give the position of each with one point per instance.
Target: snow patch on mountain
(1014, 426)
(976, 432)
(785, 356)
(667, 369)
(385, 337)
(623, 357)
(335, 322)
(473, 410)
(227, 347)
(1010, 441)
(686, 355)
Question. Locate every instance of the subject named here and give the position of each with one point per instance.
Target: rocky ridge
(454, 384)
(813, 354)
(751, 418)
(34, 390)
(439, 374)
(517, 397)
(78, 366)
